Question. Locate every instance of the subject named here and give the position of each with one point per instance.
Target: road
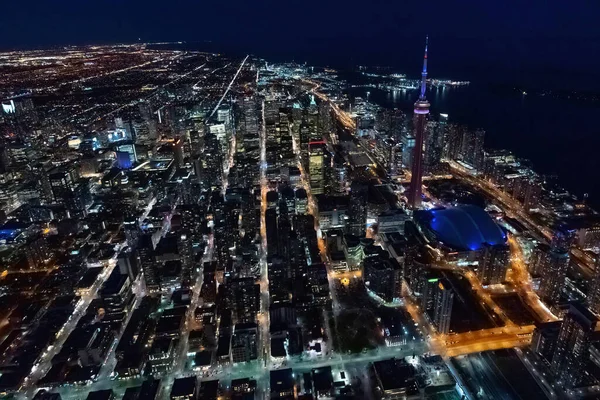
(483, 341)
(103, 381)
(44, 364)
(482, 293)
(263, 316)
(111, 361)
(154, 93)
(228, 88)
(381, 353)
(197, 86)
(346, 120)
(118, 71)
(228, 163)
(511, 334)
(455, 344)
(522, 280)
(332, 275)
(509, 204)
(179, 361)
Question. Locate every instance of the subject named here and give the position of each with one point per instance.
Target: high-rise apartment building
(442, 311)
(493, 264)
(579, 328)
(553, 275)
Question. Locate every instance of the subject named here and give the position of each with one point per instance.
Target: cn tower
(420, 121)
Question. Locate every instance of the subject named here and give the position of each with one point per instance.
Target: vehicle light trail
(228, 88)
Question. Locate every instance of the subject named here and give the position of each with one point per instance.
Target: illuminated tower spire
(420, 121)
(424, 72)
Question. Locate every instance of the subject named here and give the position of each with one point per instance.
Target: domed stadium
(463, 228)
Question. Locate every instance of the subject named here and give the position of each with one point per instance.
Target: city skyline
(186, 224)
(539, 39)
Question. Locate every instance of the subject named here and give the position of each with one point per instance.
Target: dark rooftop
(184, 387)
(393, 373)
(322, 378)
(282, 380)
(101, 395)
(203, 358)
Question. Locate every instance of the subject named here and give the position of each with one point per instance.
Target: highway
(522, 278)
(455, 344)
(482, 340)
(509, 204)
(482, 293)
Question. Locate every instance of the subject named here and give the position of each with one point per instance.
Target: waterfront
(558, 135)
(553, 126)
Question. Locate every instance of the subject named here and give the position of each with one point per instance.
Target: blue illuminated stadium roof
(466, 227)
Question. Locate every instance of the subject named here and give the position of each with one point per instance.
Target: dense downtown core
(178, 224)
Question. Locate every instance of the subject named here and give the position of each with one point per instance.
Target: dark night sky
(514, 39)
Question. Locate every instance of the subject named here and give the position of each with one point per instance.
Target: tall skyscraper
(357, 222)
(434, 143)
(421, 111)
(407, 143)
(316, 154)
(578, 329)
(147, 263)
(556, 265)
(313, 120)
(472, 148)
(442, 312)
(554, 275)
(383, 276)
(436, 300)
(544, 339)
(493, 264)
(244, 296)
(593, 297)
